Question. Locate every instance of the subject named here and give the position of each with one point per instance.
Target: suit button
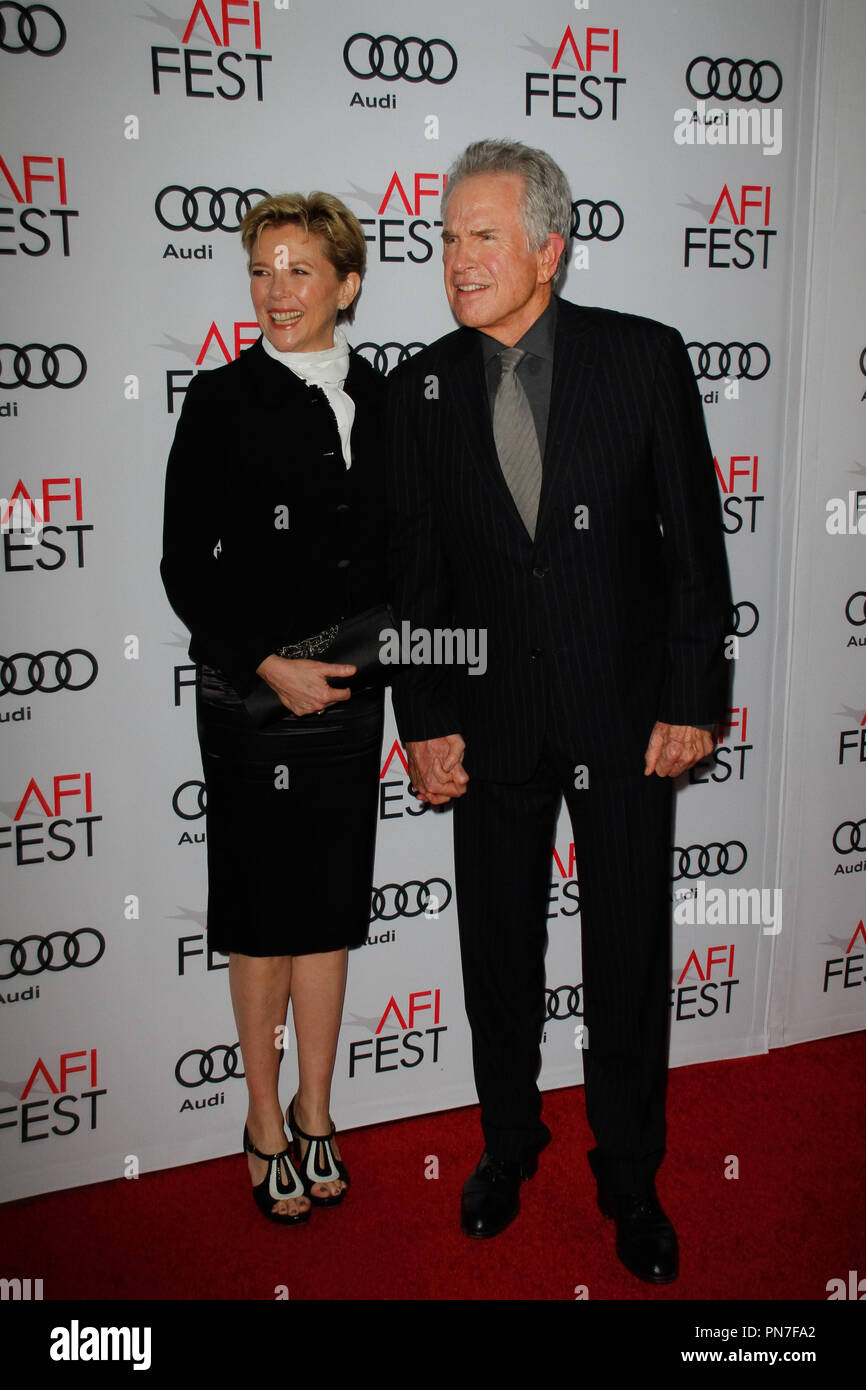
(343, 564)
(342, 506)
(535, 654)
(539, 572)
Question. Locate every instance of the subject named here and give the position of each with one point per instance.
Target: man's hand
(674, 748)
(302, 685)
(436, 768)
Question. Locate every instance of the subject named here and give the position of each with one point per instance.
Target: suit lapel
(574, 367)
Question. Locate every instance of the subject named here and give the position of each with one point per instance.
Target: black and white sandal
(319, 1164)
(280, 1184)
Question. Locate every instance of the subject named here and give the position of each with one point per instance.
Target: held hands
(437, 773)
(302, 685)
(436, 768)
(674, 748)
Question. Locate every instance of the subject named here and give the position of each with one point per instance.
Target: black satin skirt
(291, 822)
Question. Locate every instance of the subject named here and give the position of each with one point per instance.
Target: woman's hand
(302, 685)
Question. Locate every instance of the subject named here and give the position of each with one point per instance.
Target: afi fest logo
(57, 837)
(39, 227)
(72, 1080)
(220, 24)
(395, 238)
(43, 526)
(853, 740)
(563, 881)
(846, 971)
(714, 985)
(728, 80)
(583, 78)
(413, 1035)
(740, 246)
(739, 503)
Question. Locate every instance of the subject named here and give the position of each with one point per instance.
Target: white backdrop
(131, 135)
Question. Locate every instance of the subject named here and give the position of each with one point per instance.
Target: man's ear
(548, 257)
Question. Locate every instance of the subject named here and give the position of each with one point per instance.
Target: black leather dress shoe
(491, 1194)
(646, 1242)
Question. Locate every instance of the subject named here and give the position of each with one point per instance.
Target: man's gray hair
(547, 198)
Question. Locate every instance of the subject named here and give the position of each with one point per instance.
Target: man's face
(492, 280)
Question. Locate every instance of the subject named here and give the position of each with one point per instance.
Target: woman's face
(295, 290)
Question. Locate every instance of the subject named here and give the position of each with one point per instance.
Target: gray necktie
(516, 440)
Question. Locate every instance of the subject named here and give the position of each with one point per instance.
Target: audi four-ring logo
(37, 366)
(44, 37)
(204, 209)
(723, 78)
(854, 839)
(863, 361)
(219, 1063)
(716, 360)
(599, 225)
(744, 618)
(194, 802)
(33, 954)
(855, 609)
(394, 900)
(22, 674)
(708, 861)
(385, 356)
(413, 59)
(564, 1002)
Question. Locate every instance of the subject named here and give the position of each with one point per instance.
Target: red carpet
(790, 1222)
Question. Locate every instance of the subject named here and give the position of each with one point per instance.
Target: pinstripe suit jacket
(613, 617)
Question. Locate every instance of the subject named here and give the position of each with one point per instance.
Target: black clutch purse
(353, 642)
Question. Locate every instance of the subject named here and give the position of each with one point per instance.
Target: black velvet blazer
(268, 537)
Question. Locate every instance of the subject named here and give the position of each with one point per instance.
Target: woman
(274, 523)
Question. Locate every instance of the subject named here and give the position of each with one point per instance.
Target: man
(561, 500)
